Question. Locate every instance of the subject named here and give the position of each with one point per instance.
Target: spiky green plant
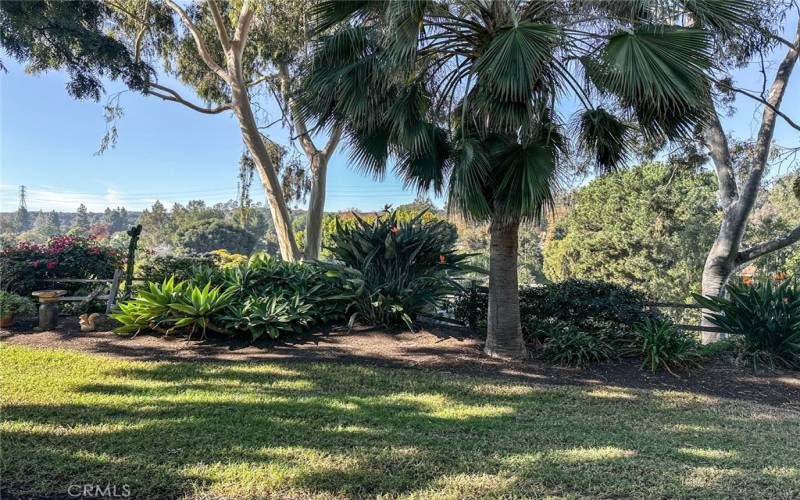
(664, 346)
(464, 94)
(395, 271)
(765, 316)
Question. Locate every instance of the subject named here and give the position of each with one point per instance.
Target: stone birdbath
(48, 310)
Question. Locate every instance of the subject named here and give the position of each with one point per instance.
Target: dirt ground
(440, 349)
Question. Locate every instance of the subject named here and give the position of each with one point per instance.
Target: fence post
(134, 233)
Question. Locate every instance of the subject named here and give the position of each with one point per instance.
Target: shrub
(586, 305)
(207, 235)
(263, 296)
(570, 346)
(173, 305)
(180, 267)
(22, 267)
(471, 307)
(397, 270)
(16, 305)
(663, 345)
(226, 260)
(766, 316)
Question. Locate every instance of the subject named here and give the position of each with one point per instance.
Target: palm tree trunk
(504, 335)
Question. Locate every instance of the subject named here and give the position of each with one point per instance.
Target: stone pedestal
(48, 309)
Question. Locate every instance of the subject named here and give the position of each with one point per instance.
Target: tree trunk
(718, 268)
(504, 335)
(725, 255)
(316, 207)
(281, 216)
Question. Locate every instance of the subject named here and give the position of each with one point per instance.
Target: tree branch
(300, 124)
(172, 95)
(766, 103)
(198, 41)
(243, 27)
(222, 30)
(333, 141)
(767, 129)
(768, 246)
(717, 144)
(260, 79)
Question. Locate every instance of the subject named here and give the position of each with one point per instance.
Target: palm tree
(465, 96)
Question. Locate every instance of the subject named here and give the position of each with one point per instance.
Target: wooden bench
(97, 293)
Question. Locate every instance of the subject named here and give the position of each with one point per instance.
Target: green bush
(471, 307)
(180, 267)
(208, 235)
(663, 345)
(16, 305)
(567, 345)
(397, 270)
(765, 315)
(25, 265)
(587, 305)
(263, 296)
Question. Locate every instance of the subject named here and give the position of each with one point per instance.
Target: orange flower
(747, 280)
(441, 259)
(395, 229)
(779, 277)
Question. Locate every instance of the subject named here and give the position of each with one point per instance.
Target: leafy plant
(569, 346)
(150, 308)
(270, 316)
(181, 267)
(663, 345)
(591, 306)
(13, 304)
(196, 307)
(262, 296)
(396, 271)
(23, 266)
(766, 315)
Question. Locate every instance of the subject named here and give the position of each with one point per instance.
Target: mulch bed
(435, 348)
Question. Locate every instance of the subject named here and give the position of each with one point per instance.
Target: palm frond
(513, 62)
(426, 167)
(660, 73)
(469, 192)
(527, 173)
(325, 15)
(724, 16)
(605, 136)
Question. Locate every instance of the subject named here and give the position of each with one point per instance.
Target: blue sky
(173, 154)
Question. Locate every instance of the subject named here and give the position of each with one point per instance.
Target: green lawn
(327, 430)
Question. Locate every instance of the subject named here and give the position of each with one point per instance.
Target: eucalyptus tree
(740, 177)
(235, 55)
(479, 98)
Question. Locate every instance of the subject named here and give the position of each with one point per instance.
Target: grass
(240, 430)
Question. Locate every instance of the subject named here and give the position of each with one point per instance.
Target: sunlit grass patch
(326, 430)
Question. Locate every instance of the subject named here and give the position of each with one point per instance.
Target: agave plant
(196, 308)
(765, 316)
(395, 271)
(150, 308)
(464, 94)
(270, 316)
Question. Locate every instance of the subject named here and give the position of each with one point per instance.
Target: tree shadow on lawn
(320, 429)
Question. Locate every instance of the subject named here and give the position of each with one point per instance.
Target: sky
(170, 153)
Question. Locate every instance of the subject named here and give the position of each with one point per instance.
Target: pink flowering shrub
(24, 265)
